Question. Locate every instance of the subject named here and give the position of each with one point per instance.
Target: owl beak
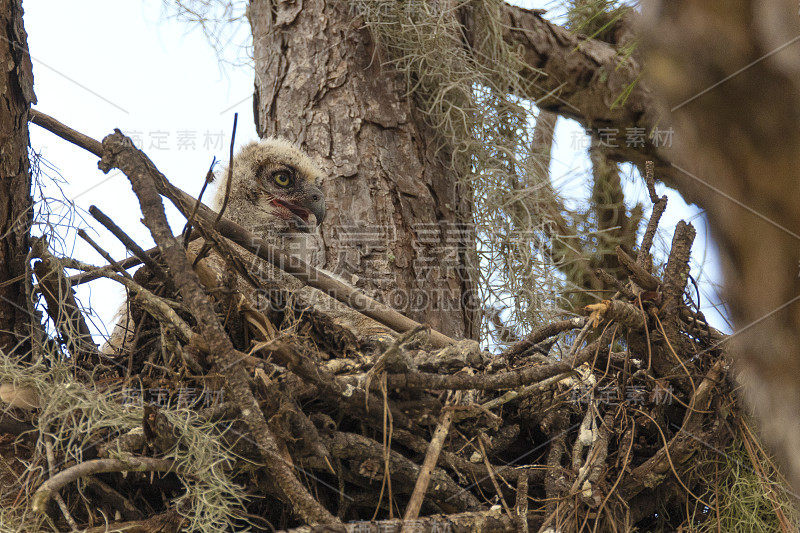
(312, 203)
(316, 204)
(300, 209)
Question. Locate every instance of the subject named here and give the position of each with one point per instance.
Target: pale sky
(100, 65)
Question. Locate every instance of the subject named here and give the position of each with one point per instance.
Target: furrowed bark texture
(16, 96)
(730, 72)
(394, 212)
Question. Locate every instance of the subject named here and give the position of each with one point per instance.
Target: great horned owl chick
(274, 193)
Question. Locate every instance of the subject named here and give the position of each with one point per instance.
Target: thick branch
(97, 466)
(498, 381)
(590, 81)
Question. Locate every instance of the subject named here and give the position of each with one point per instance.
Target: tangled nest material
(612, 421)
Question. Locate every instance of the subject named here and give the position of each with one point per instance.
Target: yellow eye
(282, 178)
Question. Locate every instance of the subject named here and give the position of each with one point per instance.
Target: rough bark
(394, 223)
(16, 96)
(736, 98)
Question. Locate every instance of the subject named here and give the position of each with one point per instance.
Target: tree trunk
(16, 96)
(396, 219)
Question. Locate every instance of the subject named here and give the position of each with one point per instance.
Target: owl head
(274, 185)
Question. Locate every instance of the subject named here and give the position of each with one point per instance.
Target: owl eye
(283, 178)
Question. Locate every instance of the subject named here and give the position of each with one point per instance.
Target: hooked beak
(316, 203)
(312, 204)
